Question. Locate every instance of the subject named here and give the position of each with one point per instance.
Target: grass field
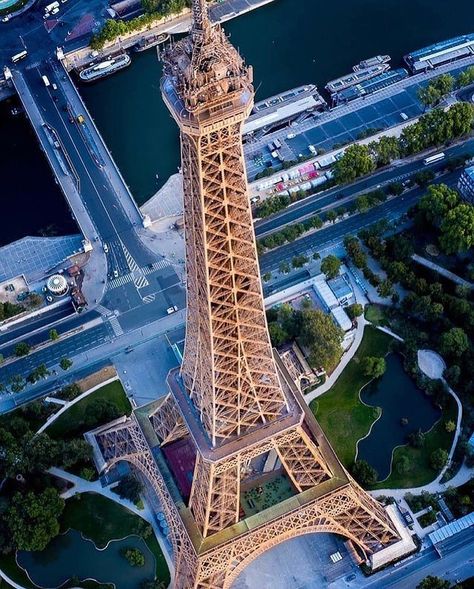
(102, 520)
(343, 417)
(72, 422)
(420, 471)
(376, 315)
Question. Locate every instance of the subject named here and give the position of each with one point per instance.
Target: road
(334, 234)
(312, 205)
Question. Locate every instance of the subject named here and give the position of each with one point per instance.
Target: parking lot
(343, 124)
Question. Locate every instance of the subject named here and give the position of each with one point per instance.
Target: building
(233, 405)
(440, 53)
(466, 184)
(341, 288)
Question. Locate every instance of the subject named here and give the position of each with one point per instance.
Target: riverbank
(171, 25)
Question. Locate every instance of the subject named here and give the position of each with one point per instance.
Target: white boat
(105, 68)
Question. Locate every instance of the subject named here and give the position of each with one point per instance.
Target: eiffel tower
(232, 409)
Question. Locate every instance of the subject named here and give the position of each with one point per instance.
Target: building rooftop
(340, 287)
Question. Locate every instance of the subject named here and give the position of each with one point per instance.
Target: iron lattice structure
(233, 397)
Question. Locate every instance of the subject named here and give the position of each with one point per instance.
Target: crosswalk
(149, 298)
(137, 274)
(120, 281)
(139, 280)
(103, 310)
(134, 267)
(155, 266)
(116, 327)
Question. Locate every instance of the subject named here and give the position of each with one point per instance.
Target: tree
(22, 349)
(331, 216)
(434, 91)
(53, 335)
(450, 426)
(364, 473)
(466, 77)
(278, 335)
(101, 411)
(32, 519)
(395, 188)
(416, 439)
(386, 150)
(438, 459)
(362, 203)
(454, 342)
(356, 161)
(322, 337)
(299, 261)
(129, 488)
(431, 582)
(134, 556)
(284, 267)
(354, 310)
(65, 363)
(438, 200)
(373, 366)
(403, 464)
(330, 266)
(385, 288)
(457, 229)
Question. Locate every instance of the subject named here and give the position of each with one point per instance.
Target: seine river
(289, 43)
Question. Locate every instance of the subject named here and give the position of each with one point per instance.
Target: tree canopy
(32, 518)
(322, 337)
(356, 161)
(330, 266)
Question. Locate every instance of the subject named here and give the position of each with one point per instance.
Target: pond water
(398, 397)
(72, 555)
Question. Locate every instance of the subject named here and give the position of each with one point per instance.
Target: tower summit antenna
(201, 22)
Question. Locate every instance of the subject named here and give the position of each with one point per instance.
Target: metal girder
(241, 399)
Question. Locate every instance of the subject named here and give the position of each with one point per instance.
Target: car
(172, 309)
(55, 11)
(115, 274)
(54, 86)
(106, 248)
(56, 144)
(49, 298)
(5, 18)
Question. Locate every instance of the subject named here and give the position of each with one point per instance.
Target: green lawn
(340, 412)
(376, 314)
(102, 520)
(72, 422)
(420, 472)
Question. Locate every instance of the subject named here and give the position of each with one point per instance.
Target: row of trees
(432, 94)
(155, 10)
(434, 128)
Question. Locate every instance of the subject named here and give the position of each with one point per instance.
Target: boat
(150, 41)
(367, 63)
(105, 68)
(356, 77)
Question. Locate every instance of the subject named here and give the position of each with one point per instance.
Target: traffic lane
(43, 335)
(318, 201)
(27, 326)
(100, 198)
(11, 402)
(72, 143)
(336, 232)
(51, 355)
(299, 210)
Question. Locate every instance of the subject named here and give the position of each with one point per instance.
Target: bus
(434, 158)
(51, 6)
(19, 56)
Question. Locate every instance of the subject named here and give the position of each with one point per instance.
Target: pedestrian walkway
(442, 271)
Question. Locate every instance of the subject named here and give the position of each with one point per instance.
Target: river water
(289, 42)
